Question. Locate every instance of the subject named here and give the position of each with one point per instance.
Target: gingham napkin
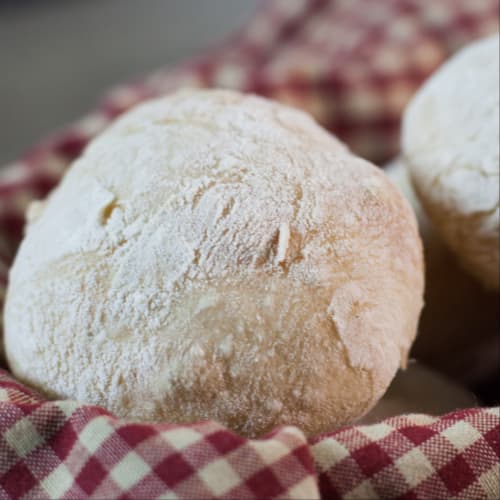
(64, 449)
(353, 64)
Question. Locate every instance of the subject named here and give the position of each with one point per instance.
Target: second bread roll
(450, 144)
(458, 328)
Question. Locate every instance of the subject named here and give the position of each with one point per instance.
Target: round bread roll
(458, 328)
(450, 142)
(217, 256)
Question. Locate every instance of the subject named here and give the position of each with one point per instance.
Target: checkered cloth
(64, 449)
(353, 64)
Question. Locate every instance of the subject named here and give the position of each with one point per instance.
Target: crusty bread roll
(450, 143)
(459, 324)
(214, 255)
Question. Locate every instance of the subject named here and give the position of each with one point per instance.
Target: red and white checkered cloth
(353, 64)
(64, 449)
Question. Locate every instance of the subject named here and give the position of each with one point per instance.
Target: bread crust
(217, 256)
(458, 328)
(450, 144)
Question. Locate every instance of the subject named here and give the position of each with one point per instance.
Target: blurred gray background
(57, 57)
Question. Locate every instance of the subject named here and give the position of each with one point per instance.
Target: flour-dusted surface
(451, 144)
(214, 255)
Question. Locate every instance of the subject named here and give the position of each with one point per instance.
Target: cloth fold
(64, 449)
(353, 64)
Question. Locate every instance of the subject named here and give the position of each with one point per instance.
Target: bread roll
(458, 328)
(450, 143)
(217, 256)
